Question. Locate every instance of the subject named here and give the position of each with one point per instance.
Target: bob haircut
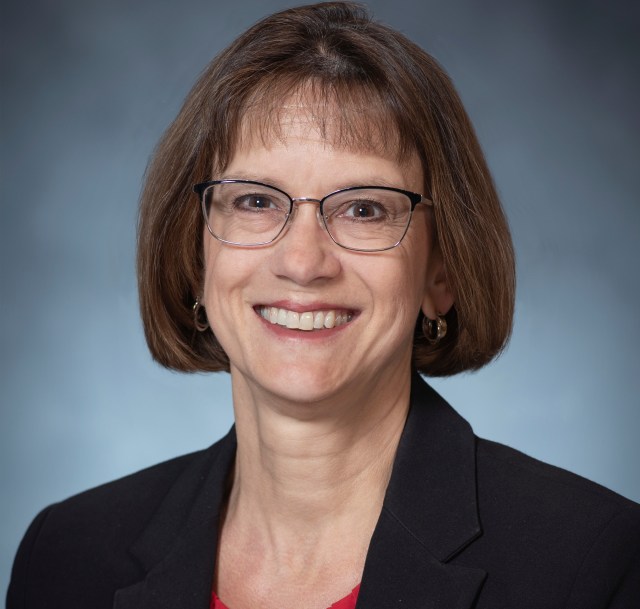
(371, 89)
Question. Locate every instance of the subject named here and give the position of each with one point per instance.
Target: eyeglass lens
(366, 219)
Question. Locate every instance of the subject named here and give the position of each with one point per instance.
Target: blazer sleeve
(17, 595)
(609, 576)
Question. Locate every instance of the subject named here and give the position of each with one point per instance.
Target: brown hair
(373, 75)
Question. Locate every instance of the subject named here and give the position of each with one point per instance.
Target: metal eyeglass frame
(414, 197)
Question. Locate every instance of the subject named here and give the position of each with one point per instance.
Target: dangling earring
(200, 320)
(434, 329)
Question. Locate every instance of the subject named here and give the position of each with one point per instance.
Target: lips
(307, 321)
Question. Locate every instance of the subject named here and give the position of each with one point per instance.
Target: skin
(318, 417)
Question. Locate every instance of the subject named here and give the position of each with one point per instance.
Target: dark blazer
(466, 523)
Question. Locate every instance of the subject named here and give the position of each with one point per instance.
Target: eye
(255, 202)
(363, 209)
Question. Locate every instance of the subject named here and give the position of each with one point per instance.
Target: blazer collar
(432, 490)
(428, 516)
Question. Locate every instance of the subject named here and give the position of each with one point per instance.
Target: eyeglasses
(360, 218)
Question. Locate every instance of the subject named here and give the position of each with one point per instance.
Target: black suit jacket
(466, 523)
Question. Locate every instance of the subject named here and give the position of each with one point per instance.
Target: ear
(438, 297)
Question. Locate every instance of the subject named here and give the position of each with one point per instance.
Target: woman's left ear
(438, 297)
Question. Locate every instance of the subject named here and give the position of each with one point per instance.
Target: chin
(301, 385)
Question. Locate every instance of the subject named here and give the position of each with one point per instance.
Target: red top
(348, 602)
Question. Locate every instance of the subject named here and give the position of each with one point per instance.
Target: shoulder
(86, 538)
(503, 468)
(550, 525)
(123, 504)
(533, 485)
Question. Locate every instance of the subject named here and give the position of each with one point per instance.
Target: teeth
(273, 314)
(330, 319)
(307, 321)
(293, 320)
(282, 317)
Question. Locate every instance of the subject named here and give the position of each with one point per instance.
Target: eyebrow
(373, 181)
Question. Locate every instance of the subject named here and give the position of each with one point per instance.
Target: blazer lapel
(401, 574)
(429, 514)
(178, 548)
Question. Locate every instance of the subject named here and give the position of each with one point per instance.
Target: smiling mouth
(307, 321)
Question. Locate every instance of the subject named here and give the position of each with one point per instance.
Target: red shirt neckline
(348, 602)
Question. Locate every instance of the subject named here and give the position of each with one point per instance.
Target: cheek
(226, 274)
(216, 291)
(408, 293)
(216, 284)
(207, 251)
(397, 290)
(407, 281)
(217, 270)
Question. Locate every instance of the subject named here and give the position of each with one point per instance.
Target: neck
(302, 474)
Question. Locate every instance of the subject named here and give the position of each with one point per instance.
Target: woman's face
(304, 271)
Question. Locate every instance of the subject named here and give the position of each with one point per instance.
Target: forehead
(348, 125)
(303, 146)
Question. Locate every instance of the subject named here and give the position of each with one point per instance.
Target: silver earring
(434, 329)
(200, 320)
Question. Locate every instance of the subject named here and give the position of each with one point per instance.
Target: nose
(305, 253)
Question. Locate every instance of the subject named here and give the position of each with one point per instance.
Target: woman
(344, 235)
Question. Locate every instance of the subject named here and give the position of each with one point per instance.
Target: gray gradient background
(89, 86)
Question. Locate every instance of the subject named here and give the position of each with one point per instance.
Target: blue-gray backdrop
(89, 86)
